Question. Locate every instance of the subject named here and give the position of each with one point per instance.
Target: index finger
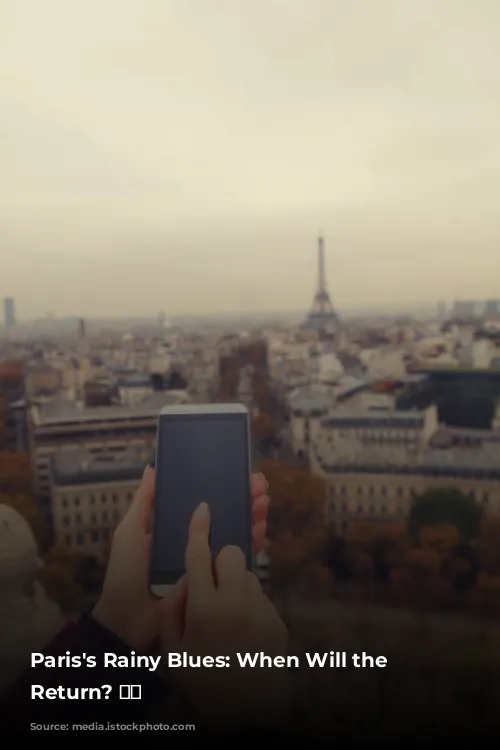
(139, 512)
(200, 577)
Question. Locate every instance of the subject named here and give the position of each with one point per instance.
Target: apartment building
(378, 484)
(90, 494)
(60, 425)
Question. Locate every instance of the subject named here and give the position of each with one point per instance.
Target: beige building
(60, 425)
(89, 497)
(379, 491)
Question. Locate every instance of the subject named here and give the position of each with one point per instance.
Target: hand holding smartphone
(202, 456)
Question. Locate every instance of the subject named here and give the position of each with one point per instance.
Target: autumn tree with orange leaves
(16, 490)
(296, 529)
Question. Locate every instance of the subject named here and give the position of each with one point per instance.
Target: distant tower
(9, 308)
(82, 329)
(323, 316)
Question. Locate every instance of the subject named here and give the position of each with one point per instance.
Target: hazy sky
(182, 155)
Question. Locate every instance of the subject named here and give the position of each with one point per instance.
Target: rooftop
(373, 416)
(316, 397)
(481, 463)
(59, 411)
(76, 467)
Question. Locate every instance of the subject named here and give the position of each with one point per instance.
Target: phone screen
(200, 458)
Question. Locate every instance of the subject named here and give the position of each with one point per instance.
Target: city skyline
(180, 157)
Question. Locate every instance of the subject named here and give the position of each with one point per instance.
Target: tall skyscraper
(9, 313)
(82, 328)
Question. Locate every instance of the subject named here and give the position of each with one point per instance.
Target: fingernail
(202, 512)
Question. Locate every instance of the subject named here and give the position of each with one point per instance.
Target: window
(332, 492)
(486, 498)
(342, 490)
(92, 500)
(79, 539)
(77, 501)
(370, 491)
(332, 507)
(371, 509)
(384, 509)
(359, 491)
(344, 526)
(383, 491)
(129, 497)
(105, 534)
(360, 509)
(116, 515)
(66, 520)
(95, 536)
(105, 517)
(344, 507)
(78, 517)
(68, 540)
(115, 498)
(103, 499)
(65, 502)
(93, 518)
(400, 492)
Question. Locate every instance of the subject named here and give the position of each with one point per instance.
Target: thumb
(171, 611)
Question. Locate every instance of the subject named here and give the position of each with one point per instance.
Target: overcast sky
(182, 155)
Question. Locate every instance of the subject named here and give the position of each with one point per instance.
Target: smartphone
(202, 456)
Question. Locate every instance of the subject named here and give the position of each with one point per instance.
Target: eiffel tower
(323, 317)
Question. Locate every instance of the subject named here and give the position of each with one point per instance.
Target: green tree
(444, 507)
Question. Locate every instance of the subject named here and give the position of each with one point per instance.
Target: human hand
(224, 614)
(126, 606)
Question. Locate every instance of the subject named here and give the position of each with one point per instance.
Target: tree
(263, 426)
(486, 595)
(297, 499)
(16, 490)
(417, 578)
(293, 560)
(448, 507)
(229, 380)
(3, 420)
(375, 549)
(260, 390)
(487, 545)
(296, 526)
(263, 431)
(16, 474)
